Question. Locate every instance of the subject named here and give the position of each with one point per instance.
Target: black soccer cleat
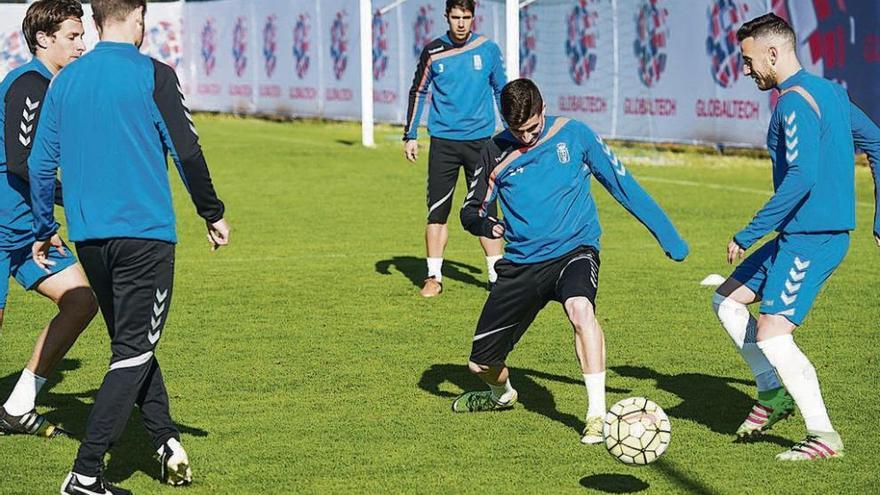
(73, 486)
(29, 423)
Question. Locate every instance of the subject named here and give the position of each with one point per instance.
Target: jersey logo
(439, 67)
(156, 318)
(562, 153)
(27, 119)
(791, 139)
(478, 62)
(516, 171)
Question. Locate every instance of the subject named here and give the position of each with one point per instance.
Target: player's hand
(411, 150)
(734, 252)
(40, 252)
(218, 234)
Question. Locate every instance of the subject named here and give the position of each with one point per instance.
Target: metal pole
(511, 16)
(366, 17)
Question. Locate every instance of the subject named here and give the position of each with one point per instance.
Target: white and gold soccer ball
(637, 431)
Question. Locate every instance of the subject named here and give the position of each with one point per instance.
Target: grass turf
(302, 360)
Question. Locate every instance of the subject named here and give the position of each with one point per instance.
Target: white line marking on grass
(721, 187)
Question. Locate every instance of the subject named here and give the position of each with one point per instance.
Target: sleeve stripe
(806, 95)
(420, 96)
(456, 51)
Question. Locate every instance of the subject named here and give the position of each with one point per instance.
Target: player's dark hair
(764, 25)
(520, 101)
(468, 5)
(115, 10)
(47, 16)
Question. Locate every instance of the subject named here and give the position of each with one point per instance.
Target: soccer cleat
(73, 486)
(817, 445)
(29, 423)
(174, 462)
(771, 407)
(593, 431)
(481, 401)
(432, 287)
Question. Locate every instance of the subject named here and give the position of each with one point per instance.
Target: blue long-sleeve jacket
(108, 121)
(544, 194)
(465, 82)
(810, 140)
(22, 93)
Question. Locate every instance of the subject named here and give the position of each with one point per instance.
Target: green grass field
(301, 359)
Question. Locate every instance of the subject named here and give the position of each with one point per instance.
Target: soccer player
(539, 170)
(465, 74)
(107, 122)
(810, 140)
(54, 33)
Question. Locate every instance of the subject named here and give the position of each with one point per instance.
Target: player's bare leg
(589, 345)
(436, 239)
(774, 404)
(775, 338)
(501, 395)
(70, 291)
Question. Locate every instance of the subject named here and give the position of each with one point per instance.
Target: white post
(366, 17)
(511, 56)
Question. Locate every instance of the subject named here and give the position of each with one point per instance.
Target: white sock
(503, 392)
(490, 265)
(24, 395)
(800, 380)
(434, 266)
(85, 480)
(743, 329)
(595, 383)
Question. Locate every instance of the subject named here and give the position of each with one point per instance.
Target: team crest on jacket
(562, 153)
(478, 62)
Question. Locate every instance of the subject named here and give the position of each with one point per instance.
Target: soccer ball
(637, 431)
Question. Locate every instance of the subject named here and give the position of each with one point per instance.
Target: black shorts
(522, 291)
(444, 159)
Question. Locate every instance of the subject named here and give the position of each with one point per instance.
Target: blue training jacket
(108, 121)
(544, 194)
(810, 140)
(465, 83)
(22, 93)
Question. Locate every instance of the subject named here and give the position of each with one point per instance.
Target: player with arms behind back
(465, 74)
(810, 140)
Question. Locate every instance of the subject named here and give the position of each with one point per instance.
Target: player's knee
(580, 313)
(80, 303)
(770, 326)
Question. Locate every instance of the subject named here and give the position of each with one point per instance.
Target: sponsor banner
(13, 48)
(574, 59)
(208, 54)
(642, 69)
(274, 66)
(304, 89)
(340, 36)
(389, 98)
(681, 73)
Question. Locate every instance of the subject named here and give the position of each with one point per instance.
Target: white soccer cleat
(175, 464)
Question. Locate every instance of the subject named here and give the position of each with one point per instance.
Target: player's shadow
(614, 483)
(134, 450)
(533, 396)
(709, 400)
(415, 270)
